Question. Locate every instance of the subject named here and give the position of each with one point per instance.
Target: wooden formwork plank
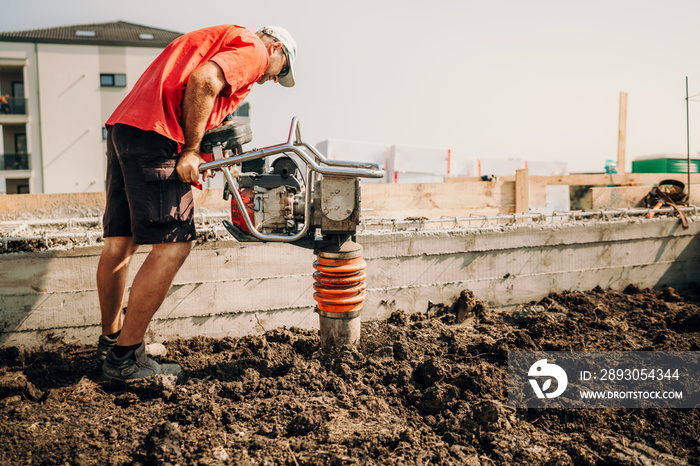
(73, 205)
(432, 200)
(620, 197)
(625, 197)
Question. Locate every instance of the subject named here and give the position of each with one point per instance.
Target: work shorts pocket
(167, 198)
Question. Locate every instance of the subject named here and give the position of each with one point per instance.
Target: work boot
(135, 365)
(104, 344)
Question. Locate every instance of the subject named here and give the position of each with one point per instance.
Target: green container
(665, 165)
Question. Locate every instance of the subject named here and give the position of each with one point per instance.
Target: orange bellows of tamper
(340, 283)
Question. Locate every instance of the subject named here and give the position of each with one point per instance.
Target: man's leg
(112, 272)
(158, 212)
(150, 288)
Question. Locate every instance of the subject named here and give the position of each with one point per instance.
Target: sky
(487, 79)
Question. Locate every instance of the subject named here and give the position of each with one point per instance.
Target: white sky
(533, 79)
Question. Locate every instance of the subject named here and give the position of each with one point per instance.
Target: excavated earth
(424, 387)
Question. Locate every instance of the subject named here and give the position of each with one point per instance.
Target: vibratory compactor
(291, 193)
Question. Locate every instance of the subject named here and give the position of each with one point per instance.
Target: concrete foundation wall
(229, 288)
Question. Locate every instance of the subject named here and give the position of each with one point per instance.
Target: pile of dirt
(422, 388)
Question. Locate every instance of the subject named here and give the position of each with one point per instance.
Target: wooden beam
(622, 134)
(593, 179)
(522, 191)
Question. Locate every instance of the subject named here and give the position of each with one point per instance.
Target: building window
(17, 185)
(113, 80)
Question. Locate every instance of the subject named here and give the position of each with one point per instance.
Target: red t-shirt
(155, 102)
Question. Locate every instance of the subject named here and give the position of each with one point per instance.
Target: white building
(58, 87)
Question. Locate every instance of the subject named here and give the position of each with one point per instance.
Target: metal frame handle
(315, 163)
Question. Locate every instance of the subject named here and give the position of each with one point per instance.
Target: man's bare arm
(203, 85)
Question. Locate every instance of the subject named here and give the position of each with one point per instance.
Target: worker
(153, 156)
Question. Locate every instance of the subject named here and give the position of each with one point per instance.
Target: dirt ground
(421, 389)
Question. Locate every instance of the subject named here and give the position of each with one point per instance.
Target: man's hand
(188, 166)
(203, 86)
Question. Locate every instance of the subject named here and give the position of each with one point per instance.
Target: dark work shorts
(145, 197)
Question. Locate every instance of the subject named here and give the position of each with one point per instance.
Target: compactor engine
(291, 193)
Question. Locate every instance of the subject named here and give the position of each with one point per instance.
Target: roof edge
(151, 44)
(116, 33)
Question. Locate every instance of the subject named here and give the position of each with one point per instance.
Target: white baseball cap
(289, 47)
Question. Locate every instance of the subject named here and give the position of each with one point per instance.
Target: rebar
(89, 229)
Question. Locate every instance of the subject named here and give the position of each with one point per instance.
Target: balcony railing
(14, 162)
(13, 105)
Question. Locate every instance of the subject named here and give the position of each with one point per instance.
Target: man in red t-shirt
(153, 155)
